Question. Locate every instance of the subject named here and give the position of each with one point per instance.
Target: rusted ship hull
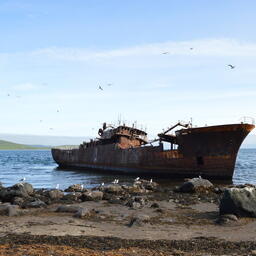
(207, 151)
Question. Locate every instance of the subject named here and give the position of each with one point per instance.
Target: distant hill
(5, 145)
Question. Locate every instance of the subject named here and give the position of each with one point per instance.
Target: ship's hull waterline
(206, 151)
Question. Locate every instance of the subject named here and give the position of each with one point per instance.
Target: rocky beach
(136, 218)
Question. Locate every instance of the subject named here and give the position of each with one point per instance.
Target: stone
(55, 194)
(71, 197)
(138, 220)
(92, 196)
(18, 201)
(239, 201)
(76, 188)
(82, 212)
(136, 202)
(12, 210)
(24, 187)
(37, 203)
(9, 210)
(114, 189)
(195, 185)
(68, 208)
(226, 218)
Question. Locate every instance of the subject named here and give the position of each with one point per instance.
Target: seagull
(231, 66)
(191, 48)
(100, 88)
(41, 121)
(51, 128)
(109, 84)
(151, 181)
(199, 177)
(165, 52)
(8, 95)
(23, 179)
(57, 186)
(115, 181)
(82, 186)
(58, 110)
(137, 178)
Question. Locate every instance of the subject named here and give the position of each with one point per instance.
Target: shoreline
(121, 220)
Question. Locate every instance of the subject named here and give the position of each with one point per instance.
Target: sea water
(39, 169)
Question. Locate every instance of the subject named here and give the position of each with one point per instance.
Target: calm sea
(41, 171)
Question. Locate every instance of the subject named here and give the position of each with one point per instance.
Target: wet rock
(82, 212)
(37, 203)
(76, 188)
(239, 201)
(68, 208)
(195, 185)
(92, 196)
(138, 220)
(55, 194)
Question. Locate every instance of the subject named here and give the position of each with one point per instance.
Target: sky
(54, 55)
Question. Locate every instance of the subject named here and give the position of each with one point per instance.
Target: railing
(247, 120)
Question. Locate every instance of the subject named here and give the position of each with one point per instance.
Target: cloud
(26, 87)
(204, 47)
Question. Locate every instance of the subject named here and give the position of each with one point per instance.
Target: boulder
(72, 197)
(23, 187)
(9, 210)
(37, 203)
(75, 188)
(68, 208)
(226, 218)
(195, 185)
(114, 189)
(18, 201)
(55, 194)
(82, 212)
(239, 201)
(92, 196)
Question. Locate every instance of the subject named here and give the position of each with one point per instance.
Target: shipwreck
(208, 151)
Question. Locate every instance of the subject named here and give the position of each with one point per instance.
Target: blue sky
(55, 54)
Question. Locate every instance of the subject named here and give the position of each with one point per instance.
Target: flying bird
(58, 111)
(231, 66)
(100, 88)
(191, 48)
(109, 84)
(165, 52)
(23, 179)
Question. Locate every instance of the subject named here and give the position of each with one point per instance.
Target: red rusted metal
(207, 151)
